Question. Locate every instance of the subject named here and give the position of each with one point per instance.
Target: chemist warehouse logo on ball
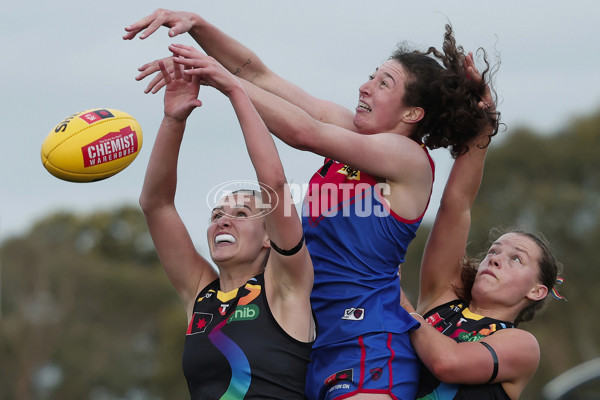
(110, 147)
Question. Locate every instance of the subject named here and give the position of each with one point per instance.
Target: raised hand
(178, 21)
(158, 82)
(487, 100)
(204, 67)
(181, 94)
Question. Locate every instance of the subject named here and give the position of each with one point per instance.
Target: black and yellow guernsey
(235, 349)
(454, 319)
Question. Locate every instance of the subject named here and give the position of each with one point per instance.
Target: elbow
(444, 369)
(145, 203)
(306, 137)
(149, 204)
(295, 138)
(275, 182)
(279, 181)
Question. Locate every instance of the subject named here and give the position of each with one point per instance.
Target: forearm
(245, 64)
(260, 144)
(288, 122)
(435, 350)
(237, 58)
(160, 181)
(465, 176)
(441, 264)
(283, 224)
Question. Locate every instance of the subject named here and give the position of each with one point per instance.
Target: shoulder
(409, 152)
(522, 338)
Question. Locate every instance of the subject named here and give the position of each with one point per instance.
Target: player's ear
(412, 115)
(538, 292)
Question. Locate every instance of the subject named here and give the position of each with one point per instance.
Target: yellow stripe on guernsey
(484, 331)
(226, 296)
(471, 315)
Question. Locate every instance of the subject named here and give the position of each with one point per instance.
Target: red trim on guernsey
(363, 356)
(385, 204)
(390, 370)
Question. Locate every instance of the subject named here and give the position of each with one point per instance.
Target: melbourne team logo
(222, 194)
(354, 314)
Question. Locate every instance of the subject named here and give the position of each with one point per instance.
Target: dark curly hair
(438, 83)
(549, 270)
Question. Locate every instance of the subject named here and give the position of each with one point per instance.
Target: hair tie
(554, 292)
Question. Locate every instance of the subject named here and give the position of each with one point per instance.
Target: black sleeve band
(290, 252)
(495, 358)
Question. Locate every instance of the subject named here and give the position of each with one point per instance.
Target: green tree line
(86, 311)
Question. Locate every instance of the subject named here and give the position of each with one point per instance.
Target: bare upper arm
(443, 258)
(320, 109)
(289, 277)
(187, 270)
(518, 356)
(399, 161)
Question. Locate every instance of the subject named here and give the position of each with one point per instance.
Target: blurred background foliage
(87, 312)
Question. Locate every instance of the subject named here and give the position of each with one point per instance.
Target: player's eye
(216, 215)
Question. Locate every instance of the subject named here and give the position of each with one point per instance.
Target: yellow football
(92, 145)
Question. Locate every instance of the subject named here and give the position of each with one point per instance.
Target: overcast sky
(63, 57)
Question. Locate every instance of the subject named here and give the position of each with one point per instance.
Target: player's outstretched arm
(289, 277)
(186, 269)
(446, 245)
(235, 57)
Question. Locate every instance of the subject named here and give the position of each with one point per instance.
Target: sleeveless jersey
(454, 319)
(234, 348)
(356, 243)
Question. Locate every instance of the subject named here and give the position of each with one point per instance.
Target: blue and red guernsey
(357, 244)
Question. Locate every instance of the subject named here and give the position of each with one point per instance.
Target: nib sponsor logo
(244, 313)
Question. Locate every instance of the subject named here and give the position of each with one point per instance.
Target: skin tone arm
(409, 176)
(187, 270)
(289, 279)
(465, 362)
(234, 56)
(471, 363)
(446, 244)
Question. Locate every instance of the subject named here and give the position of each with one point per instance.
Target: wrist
(197, 20)
(199, 25)
(417, 316)
(171, 120)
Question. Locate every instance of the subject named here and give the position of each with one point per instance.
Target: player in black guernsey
(234, 345)
(468, 341)
(250, 331)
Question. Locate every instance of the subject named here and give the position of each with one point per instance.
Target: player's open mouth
(224, 238)
(363, 106)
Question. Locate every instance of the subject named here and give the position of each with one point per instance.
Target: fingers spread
(165, 73)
